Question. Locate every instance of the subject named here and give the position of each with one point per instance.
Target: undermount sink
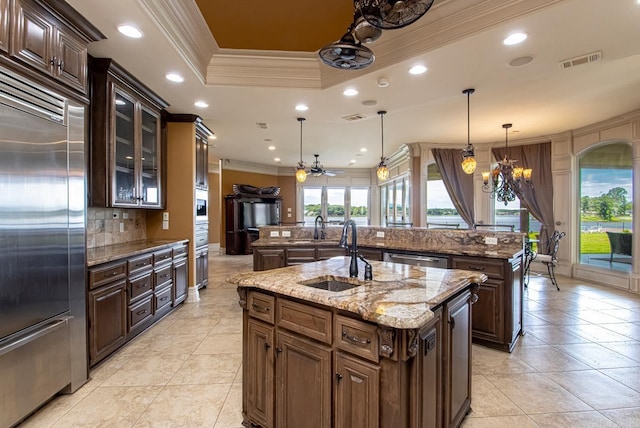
(329, 284)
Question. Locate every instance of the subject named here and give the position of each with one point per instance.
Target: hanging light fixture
(468, 156)
(383, 171)
(301, 173)
(390, 14)
(506, 178)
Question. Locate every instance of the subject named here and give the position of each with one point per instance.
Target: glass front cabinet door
(136, 153)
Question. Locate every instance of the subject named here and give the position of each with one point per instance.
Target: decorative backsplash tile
(103, 226)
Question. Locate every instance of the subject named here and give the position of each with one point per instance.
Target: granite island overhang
(393, 352)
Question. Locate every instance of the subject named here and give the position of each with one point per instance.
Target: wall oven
(202, 206)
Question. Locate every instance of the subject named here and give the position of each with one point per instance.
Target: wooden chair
(550, 259)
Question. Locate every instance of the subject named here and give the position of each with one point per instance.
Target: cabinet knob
(338, 377)
(452, 322)
(266, 346)
(278, 349)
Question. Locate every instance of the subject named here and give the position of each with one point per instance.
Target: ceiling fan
(317, 169)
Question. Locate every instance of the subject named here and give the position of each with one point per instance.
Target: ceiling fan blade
(329, 174)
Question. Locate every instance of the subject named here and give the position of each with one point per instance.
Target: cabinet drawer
(180, 251)
(140, 312)
(162, 256)
(327, 253)
(140, 287)
(201, 239)
(356, 337)
(491, 268)
(162, 276)
(104, 274)
(306, 320)
(261, 306)
(163, 298)
(139, 264)
(300, 255)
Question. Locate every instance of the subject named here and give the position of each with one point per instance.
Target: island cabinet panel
(107, 319)
(295, 256)
(303, 382)
(260, 386)
(4, 25)
(268, 258)
(325, 253)
(356, 393)
(457, 400)
(430, 359)
(497, 315)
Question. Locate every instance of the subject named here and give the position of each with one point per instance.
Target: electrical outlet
(274, 234)
(380, 234)
(165, 224)
(491, 240)
(288, 214)
(165, 216)
(286, 234)
(125, 216)
(121, 227)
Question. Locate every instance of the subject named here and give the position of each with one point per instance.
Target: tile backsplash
(104, 226)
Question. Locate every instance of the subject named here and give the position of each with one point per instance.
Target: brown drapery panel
(458, 184)
(538, 198)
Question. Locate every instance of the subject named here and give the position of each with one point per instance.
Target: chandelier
(468, 159)
(301, 173)
(383, 171)
(506, 178)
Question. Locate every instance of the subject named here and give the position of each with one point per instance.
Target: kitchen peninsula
(497, 317)
(391, 352)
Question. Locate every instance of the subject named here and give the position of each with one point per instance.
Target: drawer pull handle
(474, 298)
(164, 276)
(142, 312)
(162, 299)
(259, 308)
(114, 273)
(481, 268)
(142, 285)
(356, 339)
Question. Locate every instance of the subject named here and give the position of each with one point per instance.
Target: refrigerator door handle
(34, 335)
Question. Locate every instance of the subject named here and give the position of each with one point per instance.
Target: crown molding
(256, 168)
(185, 28)
(447, 21)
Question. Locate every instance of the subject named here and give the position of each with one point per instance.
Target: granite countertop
(109, 253)
(400, 296)
(460, 250)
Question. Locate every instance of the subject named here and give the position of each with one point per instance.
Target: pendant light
(301, 173)
(383, 171)
(468, 159)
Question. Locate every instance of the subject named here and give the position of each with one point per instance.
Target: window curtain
(458, 184)
(538, 198)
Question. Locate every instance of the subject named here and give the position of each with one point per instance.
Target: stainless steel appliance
(202, 203)
(417, 259)
(42, 247)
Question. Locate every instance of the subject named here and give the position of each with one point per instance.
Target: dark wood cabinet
(296, 256)
(107, 319)
(202, 267)
(127, 160)
(325, 253)
(4, 25)
(303, 382)
(202, 156)
(268, 258)
(356, 393)
(260, 347)
(127, 296)
(457, 343)
(497, 315)
(48, 47)
(371, 254)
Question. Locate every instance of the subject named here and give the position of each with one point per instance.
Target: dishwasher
(424, 260)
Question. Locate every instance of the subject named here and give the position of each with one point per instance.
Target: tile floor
(577, 366)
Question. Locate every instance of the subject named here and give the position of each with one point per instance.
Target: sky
(596, 182)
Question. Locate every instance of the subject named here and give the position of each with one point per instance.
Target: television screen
(256, 214)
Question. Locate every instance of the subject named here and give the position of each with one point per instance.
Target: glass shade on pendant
(526, 173)
(469, 165)
(301, 175)
(382, 172)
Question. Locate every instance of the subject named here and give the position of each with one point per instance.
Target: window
(440, 209)
(395, 201)
(335, 204)
(605, 200)
(515, 214)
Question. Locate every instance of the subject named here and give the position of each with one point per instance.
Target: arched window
(605, 191)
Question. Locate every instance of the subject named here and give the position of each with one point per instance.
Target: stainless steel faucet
(315, 228)
(353, 267)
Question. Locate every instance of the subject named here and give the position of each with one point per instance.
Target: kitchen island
(391, 352)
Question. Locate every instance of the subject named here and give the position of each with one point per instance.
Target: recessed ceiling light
(174, 77)
(364, 149)
(514, 39)
(350, 92)
(302, 107)
(417, 69)
(201, 104)
(272, 147)
(352, 161)
(276, 159)
(130, 31)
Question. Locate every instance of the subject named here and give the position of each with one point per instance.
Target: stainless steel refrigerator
(43, 346)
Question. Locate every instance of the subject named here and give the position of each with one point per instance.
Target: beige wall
(215, 208)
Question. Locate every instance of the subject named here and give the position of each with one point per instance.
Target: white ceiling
(539, 98)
